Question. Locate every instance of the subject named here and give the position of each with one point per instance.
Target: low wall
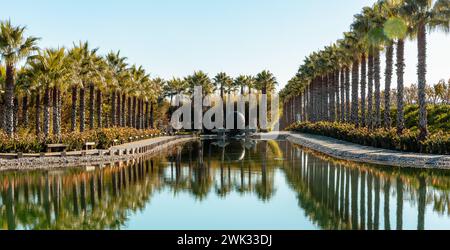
(358, 153)
(124, 152)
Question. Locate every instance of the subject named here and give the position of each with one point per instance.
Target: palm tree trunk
(376, 69)
(133, 113)
(355, 83)
(130, 117)
(318, 99)
(46, 112)
(347, 94)
(325, 104)
(16, 113)
(400, 72)
(2, 113)
(82, 108)
(370, 91)
(118, 110)
(147, 115)
(331, 107)
(387, 90)
(138, 116)
(363, 89)
(123, 120)
(74, 109)
(337, 100)
(91, 105)
(56, 116)
(152, 107)
(9, 100)
(342, 91)
(25, 118)
(113, 108)
(99, 108)
(38, 114)
(59, 114)
(421, 73)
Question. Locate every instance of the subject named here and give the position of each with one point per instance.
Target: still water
(233, 185)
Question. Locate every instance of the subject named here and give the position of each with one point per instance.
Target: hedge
(104, 138)
(436, 143)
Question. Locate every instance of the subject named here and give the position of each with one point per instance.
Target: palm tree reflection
(333, 194)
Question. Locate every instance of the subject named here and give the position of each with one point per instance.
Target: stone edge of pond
(364, 154)
(45, 163)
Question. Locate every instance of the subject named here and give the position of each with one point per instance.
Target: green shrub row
(104, 138)
(436, 143)
(438, 117)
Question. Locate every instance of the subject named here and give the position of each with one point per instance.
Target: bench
(89, 145)
(58, 147)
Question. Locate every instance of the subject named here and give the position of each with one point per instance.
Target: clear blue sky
(175, 37)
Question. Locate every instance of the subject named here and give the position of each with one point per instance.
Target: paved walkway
(358, 153)
(124, 152)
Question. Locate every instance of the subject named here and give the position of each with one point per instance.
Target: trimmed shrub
(436, 143)
(104, 138)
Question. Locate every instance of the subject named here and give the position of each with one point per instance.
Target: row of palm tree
(49, 75)
(320, 91)
(221, 84)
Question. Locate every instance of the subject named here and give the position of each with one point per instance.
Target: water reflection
(332, 194)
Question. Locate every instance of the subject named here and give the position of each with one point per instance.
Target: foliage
(104, 139)
(438, 117)
(436, 143)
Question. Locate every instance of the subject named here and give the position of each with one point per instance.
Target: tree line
(39, 87)
(342, 82)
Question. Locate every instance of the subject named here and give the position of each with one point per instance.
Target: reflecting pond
(227, 185)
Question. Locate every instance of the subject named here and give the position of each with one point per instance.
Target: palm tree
(138, 77)
(265, 81)
(154, 95)
(14, 46)
(362, 27)
(49, 66)
(240, 82)
(353, 43)
(199, 78)
(120, 77)
(24, 84)
(174, 87)
(85, 63)
(423, 14)
(220, 81)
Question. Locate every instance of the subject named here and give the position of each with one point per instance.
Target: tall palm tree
(220, 81)
(362, 26)
(154, 96)
(174, 87)
(352, 40)
(241, 82)
(50, 68)
(85, 63)
(120, 77)
(396, 28)
(199, 78)
(14, 46)
(24, 84)
(422, 14)
(265, 81)
(138, 77)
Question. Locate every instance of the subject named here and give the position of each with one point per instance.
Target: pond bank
(118, 153)
(358, 153)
